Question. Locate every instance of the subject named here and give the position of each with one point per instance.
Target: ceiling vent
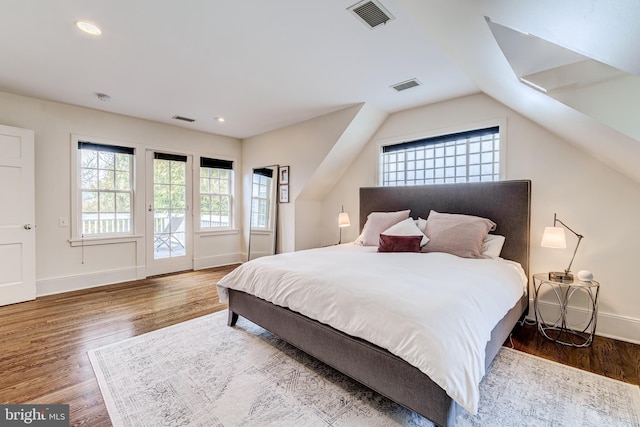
(184, 119)
(371, 13)
(406, 85)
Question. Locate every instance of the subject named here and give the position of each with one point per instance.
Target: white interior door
(169, 214)
(17, 216)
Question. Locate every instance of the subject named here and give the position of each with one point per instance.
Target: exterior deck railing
(92, 224)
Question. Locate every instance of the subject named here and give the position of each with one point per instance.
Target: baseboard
(618, 327)
(608, 325)
(57, 285)
(218, 260)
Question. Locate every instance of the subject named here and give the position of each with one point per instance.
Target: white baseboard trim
(608, 325)
(618, 327)
(218, 261)
(57, 285)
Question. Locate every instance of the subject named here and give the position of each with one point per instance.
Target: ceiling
(265, 65)
(260, 65)
(600, 119)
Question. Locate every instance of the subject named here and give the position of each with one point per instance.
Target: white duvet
(434, 310)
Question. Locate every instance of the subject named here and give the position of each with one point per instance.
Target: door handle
(27, 226)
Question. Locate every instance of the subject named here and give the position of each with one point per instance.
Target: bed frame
(507, 203)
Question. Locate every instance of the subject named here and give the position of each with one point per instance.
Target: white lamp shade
(553, 237)
(343, 220)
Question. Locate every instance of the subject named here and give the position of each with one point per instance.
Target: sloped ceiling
(606, 31)
(345, 150)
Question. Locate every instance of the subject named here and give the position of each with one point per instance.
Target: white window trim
(219, 232)
(197, 211)
(104, 240)
(500, 122)
(138, 203)
(137, 209)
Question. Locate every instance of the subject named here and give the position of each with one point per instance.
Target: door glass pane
(169, 197)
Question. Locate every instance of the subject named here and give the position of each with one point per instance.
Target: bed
(507, 203)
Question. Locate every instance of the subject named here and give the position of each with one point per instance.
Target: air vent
(184, 119)
(371, 13)
(406, 85)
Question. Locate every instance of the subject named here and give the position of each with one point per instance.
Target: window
(260, 200)
(215, 193)
(106, 190)
(461, 157)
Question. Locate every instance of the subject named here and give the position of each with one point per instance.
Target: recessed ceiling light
(89, 28)
(103, 97)
(219, 119)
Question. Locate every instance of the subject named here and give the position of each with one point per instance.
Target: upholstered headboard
(507, 203)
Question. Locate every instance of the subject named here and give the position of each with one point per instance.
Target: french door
(169, 225)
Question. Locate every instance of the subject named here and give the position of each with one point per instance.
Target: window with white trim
(470, 156)
(106, 189)
(216, 185)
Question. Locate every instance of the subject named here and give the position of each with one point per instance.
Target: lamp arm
(574, 252)
(579, 236)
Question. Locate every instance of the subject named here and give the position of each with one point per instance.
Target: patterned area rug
(204, 373)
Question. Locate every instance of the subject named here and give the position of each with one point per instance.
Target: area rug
(204, 373)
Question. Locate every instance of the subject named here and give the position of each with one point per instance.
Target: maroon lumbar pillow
(399, 243)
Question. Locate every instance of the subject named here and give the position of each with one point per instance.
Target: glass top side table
(559, 330)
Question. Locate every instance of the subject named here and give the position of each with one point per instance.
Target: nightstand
(560, 330)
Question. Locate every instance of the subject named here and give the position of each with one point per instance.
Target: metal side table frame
(560, 331)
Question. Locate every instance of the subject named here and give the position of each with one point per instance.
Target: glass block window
(471, 156)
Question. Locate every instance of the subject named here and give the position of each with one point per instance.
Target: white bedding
(434, 310)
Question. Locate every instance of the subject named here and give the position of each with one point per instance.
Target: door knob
(27, 226)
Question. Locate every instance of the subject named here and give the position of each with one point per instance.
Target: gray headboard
(507, 203)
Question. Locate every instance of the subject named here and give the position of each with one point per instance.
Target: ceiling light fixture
(89, 28)
(219, 119)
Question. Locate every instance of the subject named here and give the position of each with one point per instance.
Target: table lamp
(554, 237)
(343, 221)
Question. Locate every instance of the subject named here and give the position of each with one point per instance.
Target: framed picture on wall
(284, 193)
(284, 175)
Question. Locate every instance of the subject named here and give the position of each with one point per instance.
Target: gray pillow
(457, 234)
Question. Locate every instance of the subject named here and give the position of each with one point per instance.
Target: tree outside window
(106, 189)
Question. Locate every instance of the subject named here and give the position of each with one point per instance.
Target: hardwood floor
(612, 358)
(44, 343)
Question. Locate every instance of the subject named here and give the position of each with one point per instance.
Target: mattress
(434, 310)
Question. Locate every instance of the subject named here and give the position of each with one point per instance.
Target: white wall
(592, 198)
(59, 266)
(303, 147)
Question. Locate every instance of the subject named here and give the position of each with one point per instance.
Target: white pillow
(407, 227)
(421, 223)
(376, 223)
(492, 245)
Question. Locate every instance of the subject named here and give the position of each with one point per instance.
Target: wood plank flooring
(44, 343)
